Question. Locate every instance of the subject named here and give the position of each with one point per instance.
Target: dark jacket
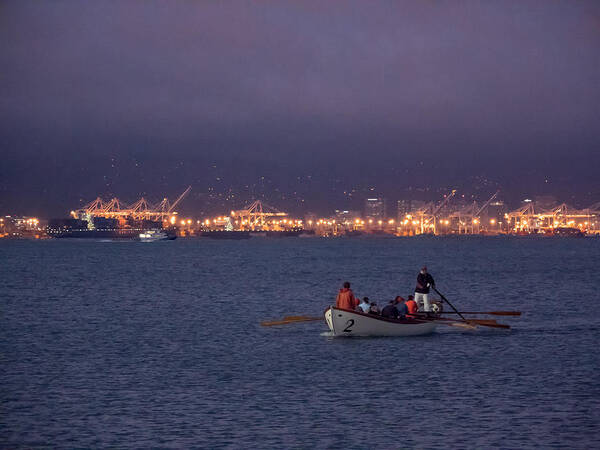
(422, 281)
(390, 311)
(402, 309)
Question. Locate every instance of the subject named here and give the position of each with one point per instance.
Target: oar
(482, 322)
(459, 325)
(485, 323)
(495, 325)
(287, 321)
(493, 313)
(302, 318)
(446, 300)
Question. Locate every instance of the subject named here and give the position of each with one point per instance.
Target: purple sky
(320, 98)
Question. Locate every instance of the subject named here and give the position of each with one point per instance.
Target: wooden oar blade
(494, 325)
(287, 322)
(301, 318)
(483, 321)
(467, 326)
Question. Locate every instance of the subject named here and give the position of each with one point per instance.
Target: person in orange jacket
(411, 305)
(345, 298)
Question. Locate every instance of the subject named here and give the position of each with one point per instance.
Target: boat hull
(343, 322)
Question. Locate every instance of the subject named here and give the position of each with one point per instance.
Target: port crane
(428, 215)
(254, 216)
(139, 210)
(523, 218)
(471, 215)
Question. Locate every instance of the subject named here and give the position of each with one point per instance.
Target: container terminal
(115, 219)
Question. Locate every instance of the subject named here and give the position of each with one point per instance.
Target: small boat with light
(345, 322)
(154, 235)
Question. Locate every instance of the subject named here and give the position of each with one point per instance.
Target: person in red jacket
(411, 305)
(345, 298)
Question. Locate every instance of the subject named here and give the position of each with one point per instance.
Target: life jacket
(412, 307)
(345, 299)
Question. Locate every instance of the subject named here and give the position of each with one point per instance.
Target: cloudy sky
(310, 105)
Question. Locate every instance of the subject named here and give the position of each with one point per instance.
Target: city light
(453, 219)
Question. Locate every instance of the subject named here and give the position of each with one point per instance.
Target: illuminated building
(375, 209)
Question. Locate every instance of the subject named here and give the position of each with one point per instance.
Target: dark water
(159, 345)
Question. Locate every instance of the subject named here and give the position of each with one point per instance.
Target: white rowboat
(344, 322)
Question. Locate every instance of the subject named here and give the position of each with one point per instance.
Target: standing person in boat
(424, 282)
(411, 306)
(345, 298)
(364, 305)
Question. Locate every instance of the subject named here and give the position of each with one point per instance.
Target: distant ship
(156, 235)
(565, 231)
(103, 228)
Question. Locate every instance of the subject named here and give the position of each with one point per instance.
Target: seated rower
(402, 308)
(411, 306)
(345, 298)
(374, 309)
(364, 305)
(390, 311)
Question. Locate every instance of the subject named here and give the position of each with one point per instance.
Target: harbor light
(172, 220)
(380, 222)
(493, 221)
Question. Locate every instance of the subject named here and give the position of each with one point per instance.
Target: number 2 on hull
(349, 325)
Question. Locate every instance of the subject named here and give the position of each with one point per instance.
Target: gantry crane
(428, 215)
(139, 210)
(254, 216)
